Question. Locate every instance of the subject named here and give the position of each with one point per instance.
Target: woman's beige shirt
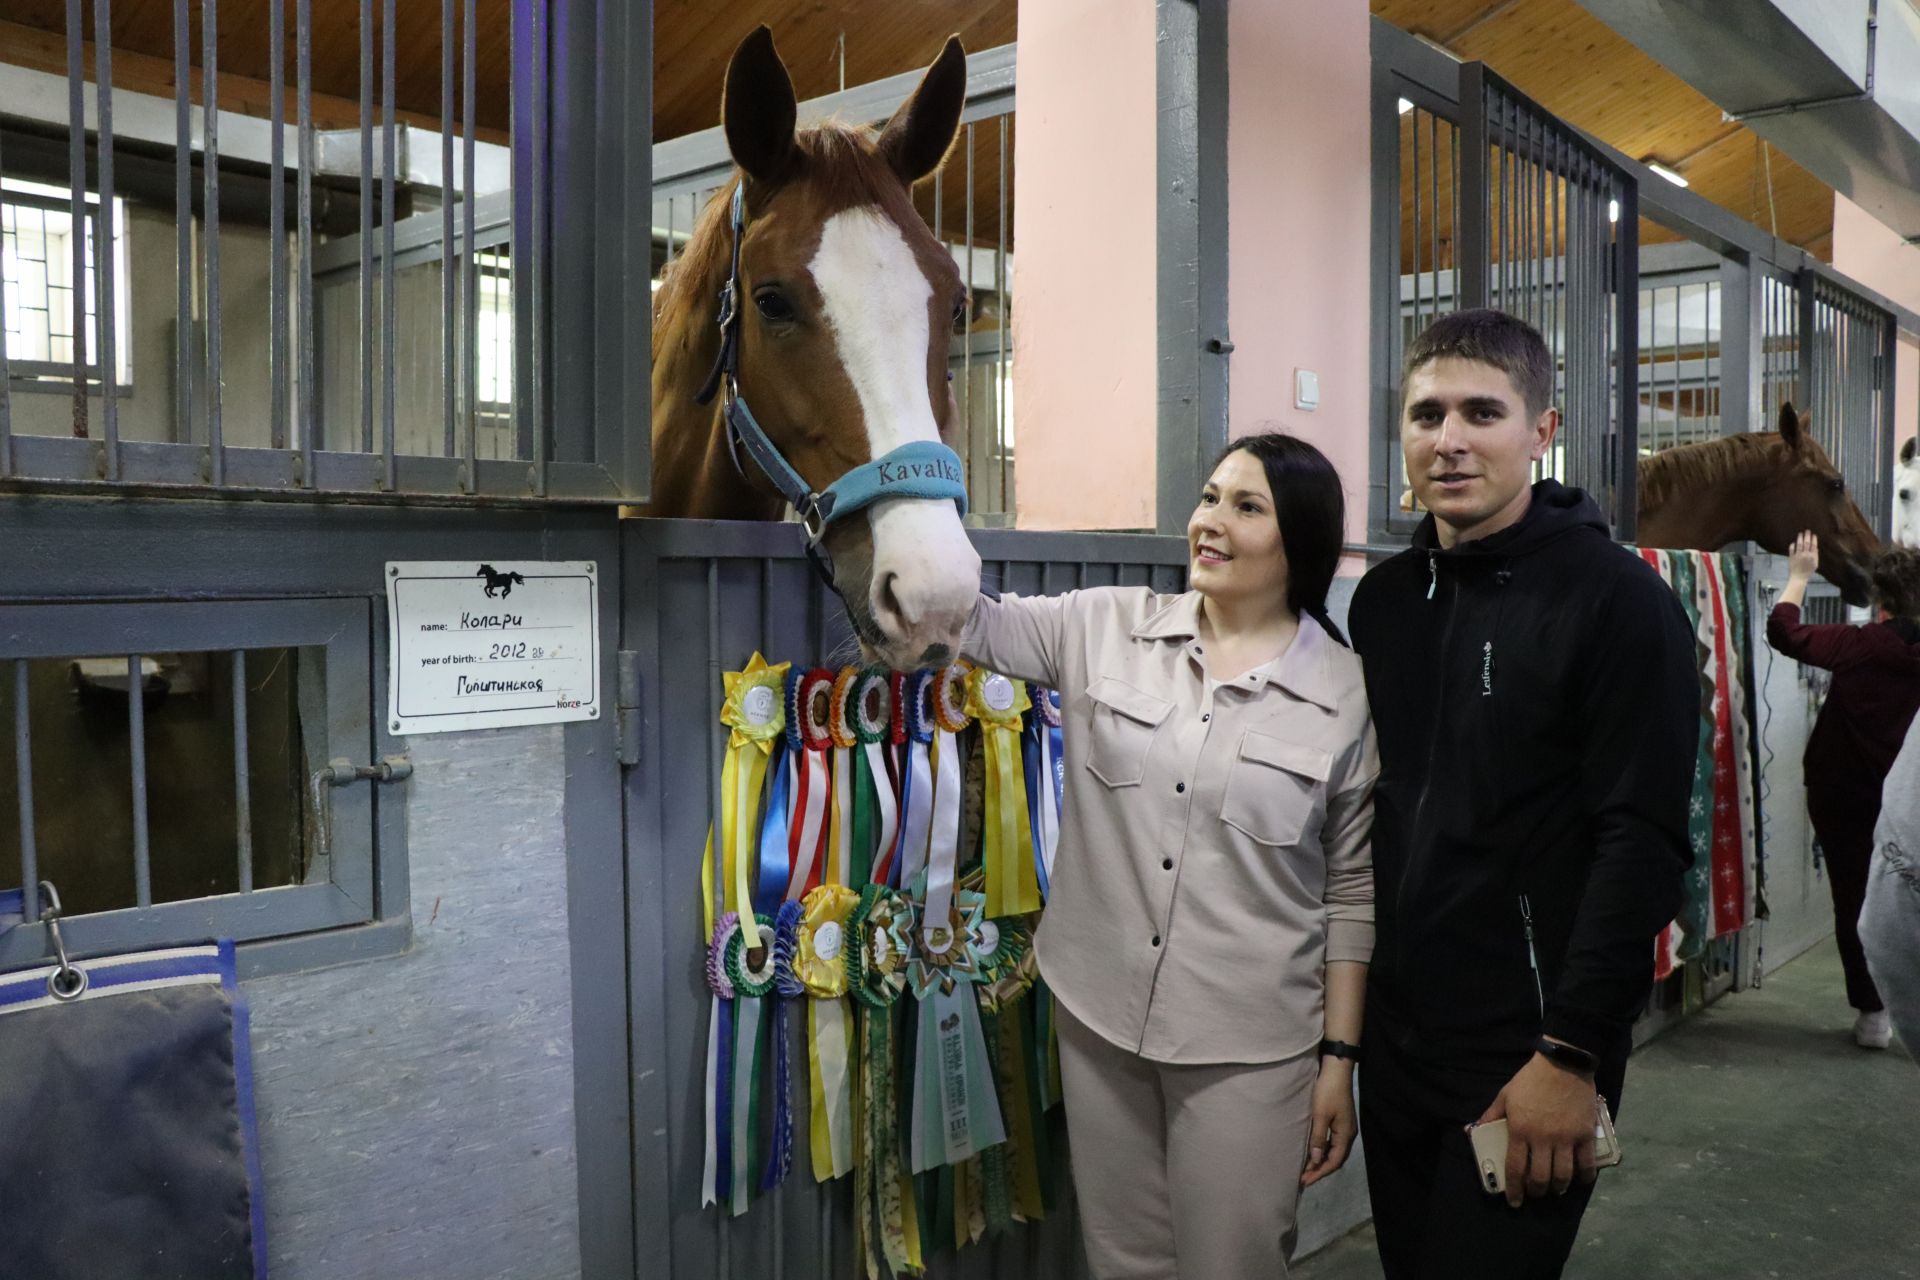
(1214, 852)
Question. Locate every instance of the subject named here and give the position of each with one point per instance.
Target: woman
(1210, 916)
(1876, 688)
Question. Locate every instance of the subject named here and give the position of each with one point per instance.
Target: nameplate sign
(486, 646)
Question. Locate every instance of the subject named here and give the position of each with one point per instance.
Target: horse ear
(1789, 425)
(759, 108)
(918, 137)
(1908, 449)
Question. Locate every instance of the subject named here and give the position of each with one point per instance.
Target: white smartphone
(1490, 1147)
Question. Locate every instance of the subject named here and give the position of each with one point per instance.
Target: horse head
(1806, 491)
(847, 305)
(1906, 497)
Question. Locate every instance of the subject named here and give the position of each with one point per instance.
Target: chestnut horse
(846, 304)
(1762, 487)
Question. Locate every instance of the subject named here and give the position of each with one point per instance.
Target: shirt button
(1205, 716)
(1179, 786)
(1166, 864)
(1156, 939)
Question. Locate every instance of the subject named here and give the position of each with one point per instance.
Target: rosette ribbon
(947, 696)
(914, 723)
(877, 975)
(875, 801)
(1046, 781)
(955, 1110)
(809, 740)
(997, 702)
(741, 956)
(840, 868)
(821, 946)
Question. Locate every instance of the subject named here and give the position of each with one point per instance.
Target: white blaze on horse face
(925, 572)
(1906, 504)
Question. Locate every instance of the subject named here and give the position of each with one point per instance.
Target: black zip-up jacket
(1538, 705)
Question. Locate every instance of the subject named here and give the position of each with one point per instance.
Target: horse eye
(773, 306)
(1837, 484)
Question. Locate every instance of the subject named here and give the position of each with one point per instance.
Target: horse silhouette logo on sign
(500, 584)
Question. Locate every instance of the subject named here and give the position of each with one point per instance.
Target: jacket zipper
(1533, 959)
(1433, 748)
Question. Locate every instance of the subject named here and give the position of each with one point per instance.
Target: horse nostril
(886, 600)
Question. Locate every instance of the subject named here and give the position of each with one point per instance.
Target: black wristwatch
(1340, 1049)
(1566, 1055)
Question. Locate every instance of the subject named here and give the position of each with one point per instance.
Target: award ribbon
(1046, 781)
(948, 694)
(872, 719)
(820, 963)
(913, 716)
(997, 702)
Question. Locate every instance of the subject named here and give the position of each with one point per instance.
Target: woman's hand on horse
(1804, 556)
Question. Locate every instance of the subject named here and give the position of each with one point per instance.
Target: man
(1537, 704)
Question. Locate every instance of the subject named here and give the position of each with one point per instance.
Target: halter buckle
(812, 520)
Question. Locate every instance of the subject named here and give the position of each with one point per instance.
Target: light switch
(1306, 389)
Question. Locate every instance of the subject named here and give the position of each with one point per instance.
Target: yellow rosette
(820, 963)
(998, 703)
(755, 712)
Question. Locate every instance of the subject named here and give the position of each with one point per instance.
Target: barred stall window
(37, 248)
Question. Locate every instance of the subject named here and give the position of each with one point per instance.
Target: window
(188, 790)
(37, 248)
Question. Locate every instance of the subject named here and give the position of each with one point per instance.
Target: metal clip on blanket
(66, 982)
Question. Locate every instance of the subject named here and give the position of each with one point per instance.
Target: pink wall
(1084, 335)
(1877, 257)
(1299, 201)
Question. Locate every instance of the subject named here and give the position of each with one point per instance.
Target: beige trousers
(1184, 1172)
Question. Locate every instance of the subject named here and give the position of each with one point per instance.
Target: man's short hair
(1896, 582)
(1506, 342)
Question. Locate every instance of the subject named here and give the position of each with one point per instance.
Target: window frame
(56, 376)
(271, 925)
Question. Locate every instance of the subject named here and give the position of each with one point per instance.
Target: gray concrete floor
(1759, 1142)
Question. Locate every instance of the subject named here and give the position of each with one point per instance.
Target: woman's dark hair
(1896, 582)
(1311, 505)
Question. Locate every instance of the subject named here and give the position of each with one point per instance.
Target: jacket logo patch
(1486, 670)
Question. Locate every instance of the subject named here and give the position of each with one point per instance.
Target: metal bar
(309, 391)
(105, 295)
(1000, 290)
(447, 391)
(242, 774)
(1472, 216)
(77, 211)
(1433, 220)
(966, 359)
(183, 223)
(539, 420)
(366, 226)
(939, 199)
(1505, 216)
(1416, 194)
(389, 147)
(470, 262)
(210, 216)
(278, 373)
(6, 377)
(137, 748)
(672, 208)
(1558, 248)
(23, 780)
(1627, 265)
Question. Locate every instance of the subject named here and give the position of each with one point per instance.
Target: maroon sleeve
(1829, 645)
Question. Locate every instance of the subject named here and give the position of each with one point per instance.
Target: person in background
(1890, 918)
(1871, 703)
(1210, 912)
(1538, 709)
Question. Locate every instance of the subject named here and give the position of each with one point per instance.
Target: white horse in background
(1906, 496)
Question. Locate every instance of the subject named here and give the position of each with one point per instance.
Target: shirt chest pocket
(1275, 788)
(1124, 722)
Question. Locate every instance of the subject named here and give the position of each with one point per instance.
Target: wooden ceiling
(1553, 50)
(1574, 65)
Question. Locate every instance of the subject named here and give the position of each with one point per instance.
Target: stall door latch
(343, 772)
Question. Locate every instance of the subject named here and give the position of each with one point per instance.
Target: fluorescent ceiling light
(1613, 211)
(1405, 106)
(1666, 173)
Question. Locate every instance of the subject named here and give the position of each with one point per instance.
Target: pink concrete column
(1299, 196)
(1084, 335)
(1877, 257)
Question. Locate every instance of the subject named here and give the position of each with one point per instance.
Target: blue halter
(918, 469)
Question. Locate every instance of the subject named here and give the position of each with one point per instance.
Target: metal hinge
(342, 771)
(627, 722)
